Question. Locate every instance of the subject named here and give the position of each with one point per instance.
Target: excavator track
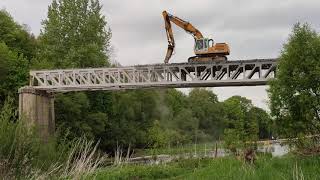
(204, 59)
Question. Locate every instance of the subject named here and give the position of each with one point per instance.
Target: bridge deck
(177, 75)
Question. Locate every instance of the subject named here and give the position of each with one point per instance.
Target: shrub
(23, 155)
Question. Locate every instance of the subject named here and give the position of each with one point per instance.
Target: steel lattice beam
(232, 73)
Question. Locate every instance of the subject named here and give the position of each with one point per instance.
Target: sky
(253, 29)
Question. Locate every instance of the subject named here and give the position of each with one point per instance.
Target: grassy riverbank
(288, 167)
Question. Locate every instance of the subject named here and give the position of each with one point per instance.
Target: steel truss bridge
(178, 75)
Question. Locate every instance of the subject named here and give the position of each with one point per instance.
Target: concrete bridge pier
(36, 107)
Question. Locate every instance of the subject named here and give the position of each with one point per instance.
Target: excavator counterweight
(205, 49)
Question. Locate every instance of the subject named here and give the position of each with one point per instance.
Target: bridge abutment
(36, 107)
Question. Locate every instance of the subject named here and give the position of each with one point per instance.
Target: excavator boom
(171, 43)
(168, 18)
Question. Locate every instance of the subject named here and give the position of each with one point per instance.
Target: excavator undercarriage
(207, 58)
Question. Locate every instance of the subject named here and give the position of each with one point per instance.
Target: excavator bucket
(169, 53)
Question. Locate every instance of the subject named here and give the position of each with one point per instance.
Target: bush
(23, 155)
(18, 147)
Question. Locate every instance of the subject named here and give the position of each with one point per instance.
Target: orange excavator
(205, 49)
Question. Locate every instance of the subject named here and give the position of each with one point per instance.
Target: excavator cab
(207, 51)
(202, 45)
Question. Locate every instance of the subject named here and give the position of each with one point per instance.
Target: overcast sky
(253, 29)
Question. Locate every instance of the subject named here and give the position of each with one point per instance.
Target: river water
(276, 149)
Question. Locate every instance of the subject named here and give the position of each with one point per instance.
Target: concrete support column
(37, 108)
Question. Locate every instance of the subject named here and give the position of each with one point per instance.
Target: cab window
(199, 44)
(206, 43)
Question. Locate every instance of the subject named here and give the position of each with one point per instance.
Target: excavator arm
(188, 27)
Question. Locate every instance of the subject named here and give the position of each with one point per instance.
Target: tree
(295, 93)
(205, 107)
(263, 120)
(175, 100)
(17, 48)
(74, 35)
(241, 129)
(16, 37)
(187, 125)
(14, 72)
(158, 136)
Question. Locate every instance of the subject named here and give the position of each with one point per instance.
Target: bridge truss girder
(178, 75)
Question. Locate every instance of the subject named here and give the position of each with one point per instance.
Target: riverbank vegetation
(24, 156)
(266, 167)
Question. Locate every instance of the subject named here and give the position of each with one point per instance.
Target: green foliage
(295, 94)
(175, 100)
(132, 114)
(263, 120)
(244, 123)
(74, 35)
(18, 144)
(187, 125)
(195, 118)
(24, 156)
(205, 108)
(165, 118)
(16, 37)
(232, 140)
(17, 48)
(14, 71)
(21, 152)
(158, 136)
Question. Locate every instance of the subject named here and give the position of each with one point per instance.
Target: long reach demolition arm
(188, 27)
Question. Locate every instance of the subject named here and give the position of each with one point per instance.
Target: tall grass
(118, 156)
(18, 144)
(82, 159)
(266, 167)
(200, 149)
(24, 156)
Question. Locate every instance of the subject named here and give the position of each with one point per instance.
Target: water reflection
(276, 149)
